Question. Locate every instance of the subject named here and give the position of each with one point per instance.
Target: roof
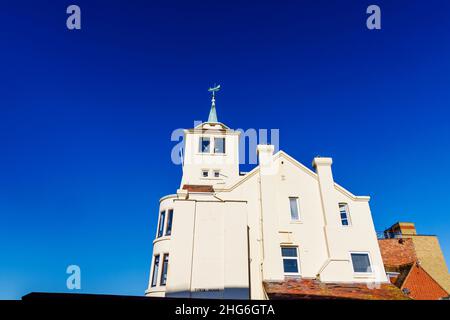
(419, 284)
(315, 289)
(397, 252)
(198, 188)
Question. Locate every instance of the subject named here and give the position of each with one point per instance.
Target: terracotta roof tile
(315, 289)
(198, 188)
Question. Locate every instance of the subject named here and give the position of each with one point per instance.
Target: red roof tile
(198, 188)
(315, 289)
(421, 286)
(397, 252)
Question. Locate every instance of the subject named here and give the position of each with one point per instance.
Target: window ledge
(161, 239)
(210, 154)
(296, 222)
(364, 275)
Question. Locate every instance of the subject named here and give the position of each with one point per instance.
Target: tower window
(290, 260)
(293, 202)
(343, 210)
(155, 271)
(204, 145)
(169, 222)
(219, 145)
(165, 265)
(161, 223)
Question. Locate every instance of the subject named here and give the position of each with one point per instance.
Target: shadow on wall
(227, 293)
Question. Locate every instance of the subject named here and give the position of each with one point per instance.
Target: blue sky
(86, 118)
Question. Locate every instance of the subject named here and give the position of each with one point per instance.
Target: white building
(225, 234)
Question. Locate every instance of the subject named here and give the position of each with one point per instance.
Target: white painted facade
(225, 242)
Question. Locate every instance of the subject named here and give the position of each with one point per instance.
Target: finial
(212, 113)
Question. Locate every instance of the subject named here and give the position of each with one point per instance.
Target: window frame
(297, 258)
(168, 232)
(347, 214)
(297, 202)
(164, 268)
(200, 144)
(161, 224)
(155, 272)
(359, 273)
(224, 145)
(203, 173)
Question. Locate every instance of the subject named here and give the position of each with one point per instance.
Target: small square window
(216, 173)
(361, 262)
(204, 145)
(219, 145)
(205, 173)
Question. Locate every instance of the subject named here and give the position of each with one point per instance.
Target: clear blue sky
(86, 117)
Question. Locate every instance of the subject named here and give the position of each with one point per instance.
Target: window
(204, 145)
(290, 260)
(169, 222)
(361, 262)
(294, 208)
(343, 210)
(216, 173)
(155, 271)
(205, 173)
(164, 270)
(219, 145)
(161, 223)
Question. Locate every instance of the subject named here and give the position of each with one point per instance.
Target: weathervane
(213, 90)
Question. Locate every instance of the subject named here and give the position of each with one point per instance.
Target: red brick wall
(422, 286)
(396, 252)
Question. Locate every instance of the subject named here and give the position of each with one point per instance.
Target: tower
(211, 152)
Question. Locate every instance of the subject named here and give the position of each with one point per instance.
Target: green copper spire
(212, 113)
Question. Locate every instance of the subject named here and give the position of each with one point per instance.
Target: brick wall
(429, 253)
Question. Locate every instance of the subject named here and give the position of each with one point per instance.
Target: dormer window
(219, 145)
(204, 145)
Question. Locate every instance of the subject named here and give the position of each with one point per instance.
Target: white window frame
(163, 270)
(224, 145)
(298, 209)
(347, 212)
(292, 274)
(167, 222)
(207, 173)
(155, 276)
(200, 144)
(161, 227)
(370, 261)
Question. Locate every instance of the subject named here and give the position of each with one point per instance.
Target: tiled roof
(315, 289)
(421, 286)
(198, 188)
(397, 252)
